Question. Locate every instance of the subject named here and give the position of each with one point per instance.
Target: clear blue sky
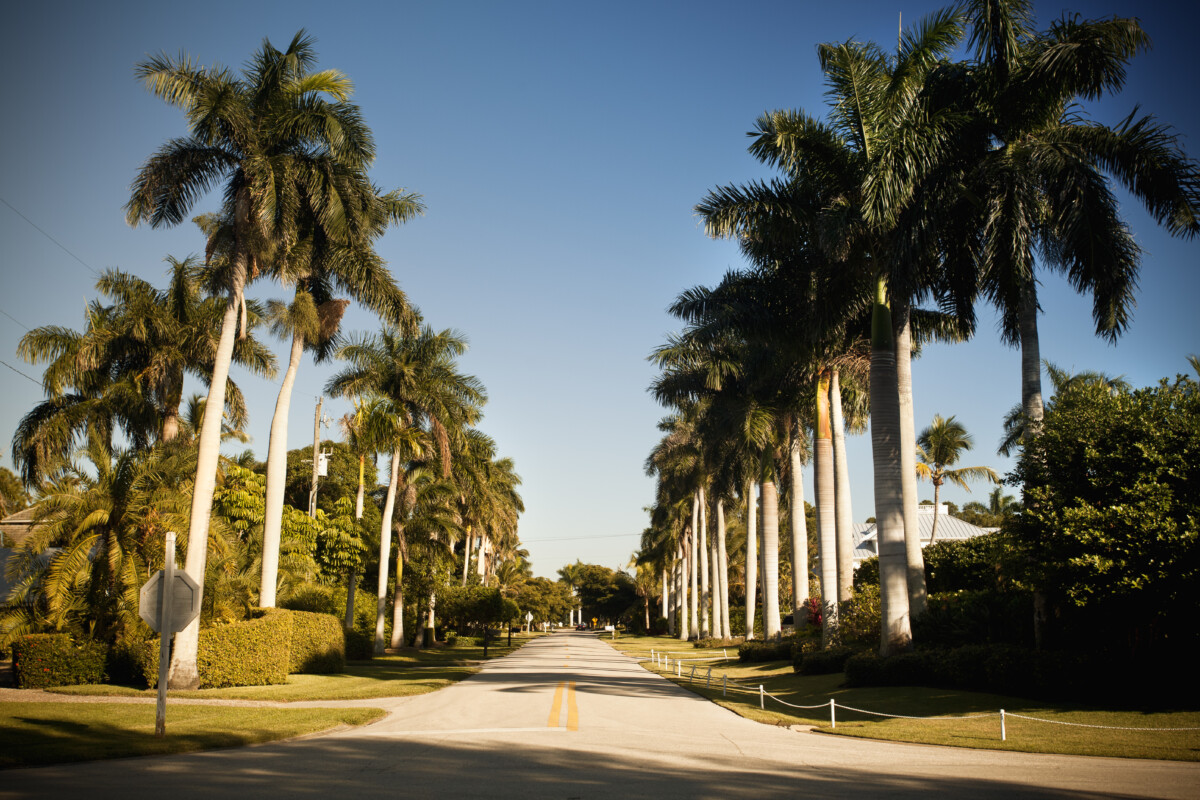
(560, 148)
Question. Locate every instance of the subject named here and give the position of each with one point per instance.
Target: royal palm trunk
(843, 507)
(751, 558)
(183, 673)
(385, 550)
(799, 533)
(726, 630)
(705, 625)
(896, 633)
(277, 478)
(914, 561)
(770, 560)
(826, 516)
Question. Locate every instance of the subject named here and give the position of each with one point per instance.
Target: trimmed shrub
(318, 644)
(315, 599)
(55, 659)
(953, 619)
(254, 652)
(757, 651)
(823, 662)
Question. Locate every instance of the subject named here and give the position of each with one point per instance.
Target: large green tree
(1042, 178)
(287, 148)
(427, 401)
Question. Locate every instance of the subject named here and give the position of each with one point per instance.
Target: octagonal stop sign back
(185, 602)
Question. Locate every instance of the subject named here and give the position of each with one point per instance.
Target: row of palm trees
(929, 181)
(290, 153)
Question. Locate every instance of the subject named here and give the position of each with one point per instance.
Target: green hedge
(1001, 669)
(253, 652)
(757, 651)
(318, 643)
(822, 662)
(55, 659)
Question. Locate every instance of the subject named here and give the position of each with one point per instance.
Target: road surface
(567, 716)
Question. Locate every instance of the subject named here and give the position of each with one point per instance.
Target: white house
(948, 529)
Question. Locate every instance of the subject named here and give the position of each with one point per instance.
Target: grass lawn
(54, 733)
(777, 678)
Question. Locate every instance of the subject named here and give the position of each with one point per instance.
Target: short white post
(708, 683)
(666, 663)
(725, 652)
(832, 714)
(724, 684)
(692, 677)
(1003, 734)
(652, 661)
(678, 668)
(761, 698)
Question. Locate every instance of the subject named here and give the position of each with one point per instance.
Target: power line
(14, 319)
(51, 238)
(14, 369)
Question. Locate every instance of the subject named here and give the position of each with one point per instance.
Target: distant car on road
(581, 627)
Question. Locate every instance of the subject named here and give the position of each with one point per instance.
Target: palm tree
(1043, 175)
(312, 321)
(419, 379)
(939, 447)
(126, 369)
(289, 149)
(865, 184)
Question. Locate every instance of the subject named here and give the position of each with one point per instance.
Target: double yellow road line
(556, 707)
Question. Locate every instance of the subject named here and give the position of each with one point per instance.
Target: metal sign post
(164, 636)
(168, 602)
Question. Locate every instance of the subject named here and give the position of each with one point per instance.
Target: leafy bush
(318, 644)
(757, 651)
(712, 641)
(315, 599)
(254, 652)
(822, 662)
(977, 563)
(55, 659)
(953, 619)
(860, 619)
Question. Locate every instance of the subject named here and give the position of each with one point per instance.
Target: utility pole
(316, 459)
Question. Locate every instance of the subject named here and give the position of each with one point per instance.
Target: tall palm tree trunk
(385, 551)
(726, 630)
(1031, 359)
(184, 673)
(667, 612)
(770, 558)
(683, 593)
(352, 578)
(896, 633)
(694, 571)
(843, 507)
(467, 554)
(277, 478)
(397, 639)
(702, 544)
(751, 558)
(937, 488)
(826, 515)
(914, 561)
(799, 531)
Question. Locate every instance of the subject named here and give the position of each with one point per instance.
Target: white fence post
(692, 677)
(1003, 734)
(708, 683)
(761, 698)
(678, 668)
(724, 684)
(832, 714)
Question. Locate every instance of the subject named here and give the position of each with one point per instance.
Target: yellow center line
(556, 707)
(572, 709)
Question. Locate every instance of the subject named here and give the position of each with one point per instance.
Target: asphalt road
(567, 716)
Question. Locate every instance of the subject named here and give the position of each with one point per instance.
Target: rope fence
(662, 659)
